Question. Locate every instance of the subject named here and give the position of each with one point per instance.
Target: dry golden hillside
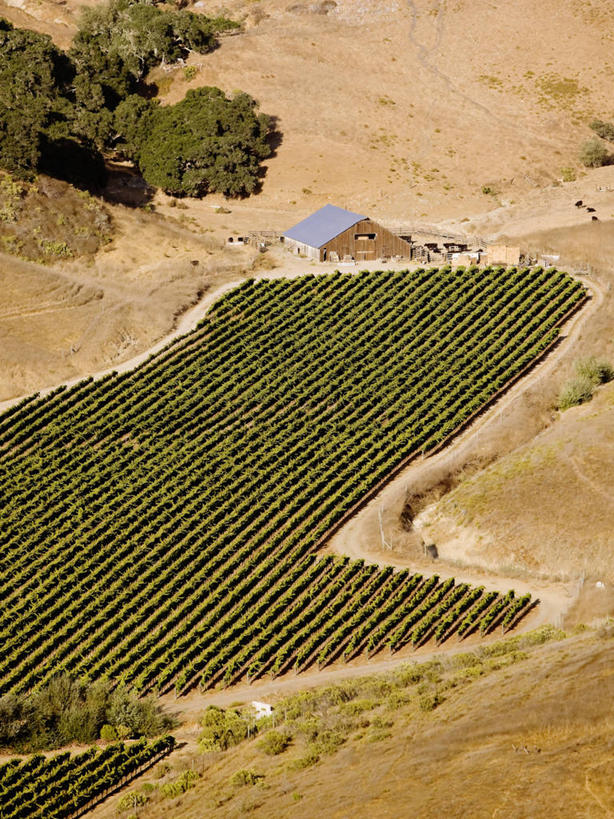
(405, 109)
(522, 730)
(546, 508)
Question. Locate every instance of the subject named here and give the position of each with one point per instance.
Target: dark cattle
(579, 203)
(594, 218)
(590, 210)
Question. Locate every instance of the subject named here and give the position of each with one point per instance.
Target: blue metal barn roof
(323, 225)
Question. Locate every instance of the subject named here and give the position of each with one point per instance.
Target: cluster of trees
(66, 711)
(60, 112)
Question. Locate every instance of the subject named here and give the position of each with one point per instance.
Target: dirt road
(189, 320)
(364, 535)
(191, 706)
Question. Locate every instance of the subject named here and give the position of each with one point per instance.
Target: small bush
(245, 777)
(568, 175)
(576, 391)
(593, 153)
(430, 701)
(222, 729)
(599, 372)
(180, 785)
(274, 743)
(589, 374)
(131, 800)
(108, 733)
(189, 72)
(306, 761)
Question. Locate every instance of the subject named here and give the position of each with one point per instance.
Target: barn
(333, 234)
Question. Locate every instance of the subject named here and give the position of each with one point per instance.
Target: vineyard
(161, 526)
(65, 786)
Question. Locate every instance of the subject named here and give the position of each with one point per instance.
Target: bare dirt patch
(64, 321)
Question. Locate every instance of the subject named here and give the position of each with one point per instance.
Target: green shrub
(245, 777)
(306, 761)
(576, 391)
(593, 153)
(108, 733)
(430, 701)
(599, 372)
(274, 742)
(221, 729)
(131, 800)
(590, 372)
(180, 785)
(603, 129)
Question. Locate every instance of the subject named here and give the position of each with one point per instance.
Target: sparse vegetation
(589, 374)
(316, 723)
(47, 219)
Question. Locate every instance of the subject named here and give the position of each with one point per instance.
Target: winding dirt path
(190, 706)
(363, 535)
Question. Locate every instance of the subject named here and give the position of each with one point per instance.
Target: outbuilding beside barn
(334, 234)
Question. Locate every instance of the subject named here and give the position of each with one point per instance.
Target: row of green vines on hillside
(65, 785)
(159, 527)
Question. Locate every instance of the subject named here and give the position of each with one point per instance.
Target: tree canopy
(205, 143)
(34, 78)
(59, 111)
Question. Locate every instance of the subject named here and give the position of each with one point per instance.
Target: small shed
(335, 233)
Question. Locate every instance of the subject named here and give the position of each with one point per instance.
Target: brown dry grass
(523, 734)
(64, 321)
(546, 508)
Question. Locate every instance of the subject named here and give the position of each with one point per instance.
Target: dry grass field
(527, 732)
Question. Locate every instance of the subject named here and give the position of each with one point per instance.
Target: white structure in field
(262, 709)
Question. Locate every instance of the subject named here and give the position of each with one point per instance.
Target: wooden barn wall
(384, 244)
